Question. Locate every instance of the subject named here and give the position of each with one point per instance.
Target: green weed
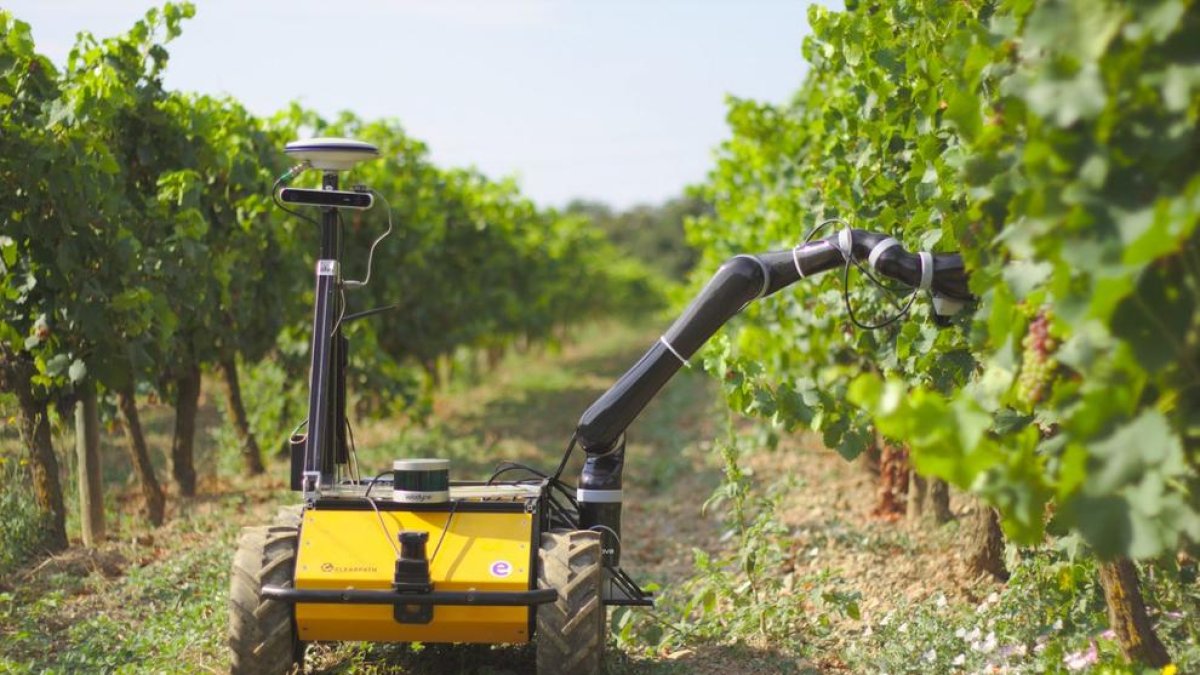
(1050, 617)
(23, 526)
(748, 594)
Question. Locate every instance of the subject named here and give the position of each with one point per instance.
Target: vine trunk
(34, 428)
(1127, 614)
(251, 455)
(154, 502)
(187, 400)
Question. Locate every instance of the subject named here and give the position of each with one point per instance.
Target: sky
(621, 101)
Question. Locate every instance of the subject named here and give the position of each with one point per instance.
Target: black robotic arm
(741, 280)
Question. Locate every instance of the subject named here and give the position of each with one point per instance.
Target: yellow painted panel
(349, 550)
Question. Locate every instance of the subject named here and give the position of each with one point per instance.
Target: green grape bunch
(1038, 365)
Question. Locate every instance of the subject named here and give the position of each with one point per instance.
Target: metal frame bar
(385, 504)
(447, 598)
(325, 377)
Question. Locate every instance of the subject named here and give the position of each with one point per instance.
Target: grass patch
(23, 526)
(153, 603)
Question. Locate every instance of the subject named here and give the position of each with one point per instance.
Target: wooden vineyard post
(928, 498)
(985, 543)
(87, 452)
(917, 488)
(939, 501)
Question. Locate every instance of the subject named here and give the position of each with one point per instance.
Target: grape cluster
(1037, 361)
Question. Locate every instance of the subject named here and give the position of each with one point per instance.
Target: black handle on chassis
(738, 282)
(540, 596)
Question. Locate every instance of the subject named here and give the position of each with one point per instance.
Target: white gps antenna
(331, 154)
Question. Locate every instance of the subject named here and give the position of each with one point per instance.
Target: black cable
(505, 467)
(379, 475)
(849, 258)
(278, 202)
(357, 475)
(445, 528)
(564, 489)
(567, 455)
(812, 232)
(562, 519)
(568, 517)
(567, 491)
(850, 307)
(369, 312)
(367, 496)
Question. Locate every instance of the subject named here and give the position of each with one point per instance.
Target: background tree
(227, 161)
(653, 234)
(115, 87)
(74, 308)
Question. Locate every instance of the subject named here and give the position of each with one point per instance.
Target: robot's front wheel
(262, 633)
(571, 631)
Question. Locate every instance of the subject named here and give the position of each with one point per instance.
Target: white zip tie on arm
(878, 250)
(663, 340)
(846, 243)
(796, 259)
(926, 270)
(796, 253)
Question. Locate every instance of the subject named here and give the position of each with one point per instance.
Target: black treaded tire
(571, 631)
(290, 516)
(262, 633)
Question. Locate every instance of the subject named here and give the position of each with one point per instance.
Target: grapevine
(1047, 155)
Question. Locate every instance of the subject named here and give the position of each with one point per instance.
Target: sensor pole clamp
(310, 484)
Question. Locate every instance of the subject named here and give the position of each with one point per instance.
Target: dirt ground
(524, 410)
